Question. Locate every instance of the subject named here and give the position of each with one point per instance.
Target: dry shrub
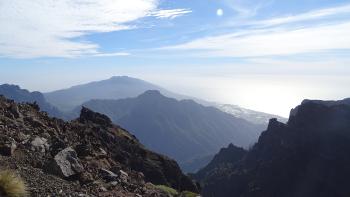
(11, 185)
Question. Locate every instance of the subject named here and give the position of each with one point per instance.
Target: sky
(265, 55)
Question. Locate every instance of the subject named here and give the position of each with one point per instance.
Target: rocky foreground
(86, 157)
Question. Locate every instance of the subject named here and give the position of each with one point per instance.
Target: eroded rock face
(58, 157)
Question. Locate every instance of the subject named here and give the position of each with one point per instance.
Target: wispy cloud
(49, 28)
(312, 15)
(276, 40)
(246, 9)
(117, 54)
(174, 13)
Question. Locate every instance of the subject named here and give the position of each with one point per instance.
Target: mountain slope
(195, 164)
(17, 94)
(308, 156)
(114, 88)
(86, 156)
(183, 129)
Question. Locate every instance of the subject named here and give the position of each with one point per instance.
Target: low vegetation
(188, 194)
(172, 192)
(167, 190)
(11, 185)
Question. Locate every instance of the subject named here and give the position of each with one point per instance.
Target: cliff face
(89, 155)
(308, 156)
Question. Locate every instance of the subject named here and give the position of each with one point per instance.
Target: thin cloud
(272, 42)
(272, 37)
(47, 28)
(117, 54)
(312, 15)
(174, 13)
(246, 9)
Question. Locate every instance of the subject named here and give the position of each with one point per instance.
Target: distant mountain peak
(6, 85)
(20, 95)
(121, 77)
(116, 87)
(151, 93)
(124, 78)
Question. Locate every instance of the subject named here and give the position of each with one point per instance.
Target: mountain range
(117, 87)
(182, 129)
(307, 156)
(304, 156)
(172, 124)
(17, 94)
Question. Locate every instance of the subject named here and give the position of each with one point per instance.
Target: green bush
(188, 194)
(168, 190)
(12, 185)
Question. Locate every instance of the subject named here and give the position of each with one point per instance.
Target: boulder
(108, 175)
(123, 176)
(39, 144)
(66, 163)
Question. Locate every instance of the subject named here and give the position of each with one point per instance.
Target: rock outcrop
(226, 158)
(85, 157)
(308, 156)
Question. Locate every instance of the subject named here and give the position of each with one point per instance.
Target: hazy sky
(266, 55)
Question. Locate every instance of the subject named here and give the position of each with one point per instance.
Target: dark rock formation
(308, 156)
(66, 158)
(226, 158)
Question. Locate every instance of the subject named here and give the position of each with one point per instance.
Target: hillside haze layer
(308, 156)
(114, 88)
(119, 87)
(182, 129)
(20, 95)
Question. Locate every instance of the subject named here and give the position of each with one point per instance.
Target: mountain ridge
(20, 95)
(119, 87)
(307, 156)
(163, 118)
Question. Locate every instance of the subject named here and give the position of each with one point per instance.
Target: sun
(219, 12)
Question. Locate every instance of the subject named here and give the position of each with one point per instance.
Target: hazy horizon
(264, 55)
